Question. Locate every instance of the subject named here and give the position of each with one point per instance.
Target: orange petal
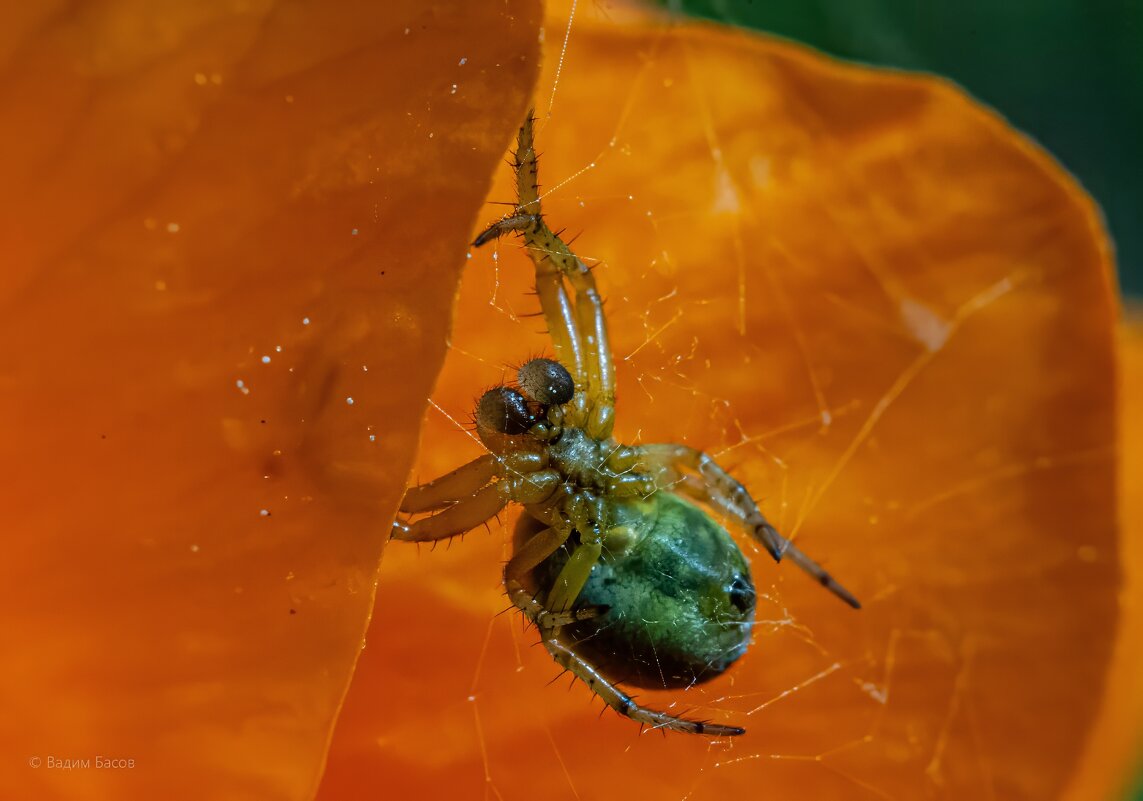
(1112, 758)
(891, 316)
(231, 241)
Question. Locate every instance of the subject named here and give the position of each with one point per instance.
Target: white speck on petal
(725, 198)
(926, 325)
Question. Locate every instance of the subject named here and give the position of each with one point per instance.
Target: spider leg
(538, 548)
(554, 301)
(569, 583)
(447, 489)
(584, 513)
(468, 513)
(458, 518)
(549, 623)
(724, 492)
(468, 479)
(580, 339)
(623, 703)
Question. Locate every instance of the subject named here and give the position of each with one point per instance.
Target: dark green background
(1067, 72)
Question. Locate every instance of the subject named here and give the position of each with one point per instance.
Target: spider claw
(490, 233)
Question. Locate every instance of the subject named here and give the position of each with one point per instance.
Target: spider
(624, 576)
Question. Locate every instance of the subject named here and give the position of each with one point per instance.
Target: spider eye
(546, 381)
(504, 410)
(742, 593)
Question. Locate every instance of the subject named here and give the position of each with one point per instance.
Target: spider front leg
(580, 336)
(449, 488)
(714, 485)
(466, 513)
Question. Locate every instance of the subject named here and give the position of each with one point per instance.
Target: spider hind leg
(623, 703)
(531, 552)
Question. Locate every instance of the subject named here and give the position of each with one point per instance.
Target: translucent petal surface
(1114, 755)
(891, 316)
(227, 231)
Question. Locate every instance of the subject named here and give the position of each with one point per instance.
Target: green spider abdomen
(678, 592)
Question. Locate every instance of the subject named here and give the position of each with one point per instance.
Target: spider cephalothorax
(625, 577)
